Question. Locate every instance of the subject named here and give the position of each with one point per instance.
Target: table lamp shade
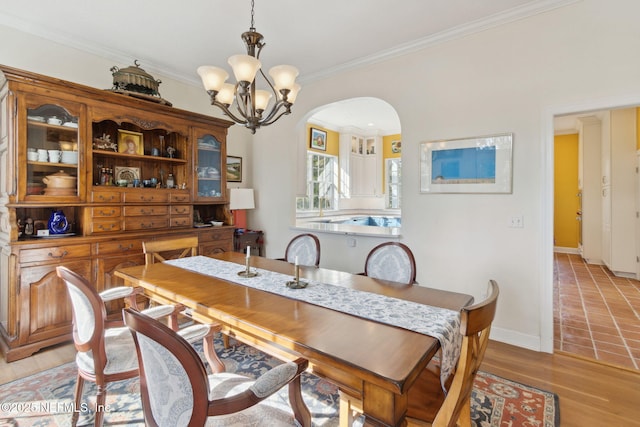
(239, 200)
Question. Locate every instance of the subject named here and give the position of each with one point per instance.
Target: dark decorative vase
(58, 223)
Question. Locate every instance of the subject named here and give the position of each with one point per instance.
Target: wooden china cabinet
(105, 161)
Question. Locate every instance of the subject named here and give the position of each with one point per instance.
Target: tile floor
(596, 314)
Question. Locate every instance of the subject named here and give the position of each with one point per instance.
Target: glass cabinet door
(210, 173)
(52, 153)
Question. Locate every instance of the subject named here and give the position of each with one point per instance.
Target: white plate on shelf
(56, 236)
(70, 125)
(36, 118)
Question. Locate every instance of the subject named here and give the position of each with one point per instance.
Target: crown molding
(515, 14)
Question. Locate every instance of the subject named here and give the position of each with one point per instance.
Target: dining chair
(177, 391)
(304, 246)
(392, 261)
(161, 250)
(428, 405)
(105, 349)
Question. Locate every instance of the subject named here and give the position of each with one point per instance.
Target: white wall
(508, 79)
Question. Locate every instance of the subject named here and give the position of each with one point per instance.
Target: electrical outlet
(516, 222)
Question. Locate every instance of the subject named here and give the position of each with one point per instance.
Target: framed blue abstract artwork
(469, 165)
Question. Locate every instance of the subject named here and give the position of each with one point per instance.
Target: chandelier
(251, 104)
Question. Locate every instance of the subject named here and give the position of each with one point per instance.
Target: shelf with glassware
(52, 157)
(126, 155)
(210, 182)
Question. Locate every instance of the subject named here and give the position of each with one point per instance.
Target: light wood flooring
(596, 314)
(590, 393)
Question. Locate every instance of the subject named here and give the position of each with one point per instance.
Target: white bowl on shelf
(217, 223)
(70, 157)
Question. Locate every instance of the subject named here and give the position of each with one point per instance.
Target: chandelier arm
(228, 112)
(276, 108)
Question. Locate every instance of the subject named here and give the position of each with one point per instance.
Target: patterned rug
(45, 399)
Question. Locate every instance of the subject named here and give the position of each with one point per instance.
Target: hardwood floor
(590, 394)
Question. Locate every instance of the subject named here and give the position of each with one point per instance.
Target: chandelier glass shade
(243, 102)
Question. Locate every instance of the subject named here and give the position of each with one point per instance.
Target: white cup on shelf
(32, 156)
(42, 155)
(54, 156)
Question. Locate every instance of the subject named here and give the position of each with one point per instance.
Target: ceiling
(318, 37)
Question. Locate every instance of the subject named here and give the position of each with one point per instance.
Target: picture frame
(234, 169)
(467, 165)
(318, 139)
(396, 146)
(130, 142)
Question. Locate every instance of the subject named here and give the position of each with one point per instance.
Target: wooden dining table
(374, 362)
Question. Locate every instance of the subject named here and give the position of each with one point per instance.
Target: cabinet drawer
(146, 223)
(105, 197)
(119, 247)
(181, 221)
(145, 210)
(214, 235)
(106, 212)
(180, 210)
(151, 196)
(180, 198)
(212, 248)
(55, 253)
(105, 225)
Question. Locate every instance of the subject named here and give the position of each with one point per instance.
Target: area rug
(45, 399)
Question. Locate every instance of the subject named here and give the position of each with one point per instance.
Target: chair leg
(350, 408)
(300, 410)
(225, 340)
(77, 399)
(101, 399)
(465, 414)
(210, 354)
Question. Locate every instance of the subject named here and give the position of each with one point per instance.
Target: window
(393, 182)
(322, 182)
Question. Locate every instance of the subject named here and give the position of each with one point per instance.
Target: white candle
(296, 261)
(248, 251)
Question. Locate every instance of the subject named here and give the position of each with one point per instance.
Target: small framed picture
(234, 169)
(130, 142)
(318, 140)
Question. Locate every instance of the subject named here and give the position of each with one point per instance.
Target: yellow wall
(387, 150)
(566, 201)
(333, 141)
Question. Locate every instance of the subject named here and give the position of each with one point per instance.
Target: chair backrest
(391, 261)
(89, 316)
(154, 249)
(173, 379)
(306, 247)
(475, 325)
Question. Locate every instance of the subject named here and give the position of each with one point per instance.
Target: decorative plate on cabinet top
(126, 173)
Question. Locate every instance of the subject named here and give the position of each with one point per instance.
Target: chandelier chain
(252, 28)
